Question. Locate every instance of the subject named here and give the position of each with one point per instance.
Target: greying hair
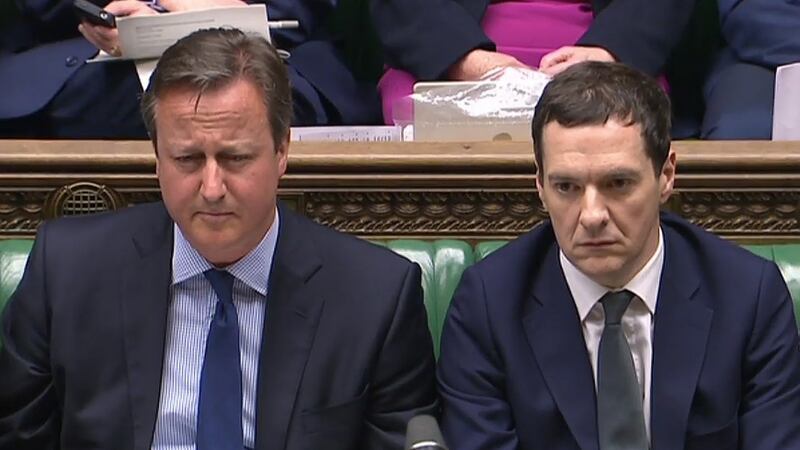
(214, 58)
(592, 93)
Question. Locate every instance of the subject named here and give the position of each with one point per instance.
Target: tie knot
(222, 283)
(615, 304)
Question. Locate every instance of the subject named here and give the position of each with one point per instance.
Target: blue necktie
(219, 410)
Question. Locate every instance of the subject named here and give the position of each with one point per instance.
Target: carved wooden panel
(741, 212)
(427, 213)
(742, 190)
(21, 212)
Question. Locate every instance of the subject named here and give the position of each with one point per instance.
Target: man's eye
(186, 158)
(620, 183)
(235, 158)
(564, 187)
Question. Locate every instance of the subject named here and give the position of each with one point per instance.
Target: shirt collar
(253, 269)
(586, 292)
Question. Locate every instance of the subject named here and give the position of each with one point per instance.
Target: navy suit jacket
(425, 37)
(346, 357)
(514, 372)
(763, 32)
(40, 52)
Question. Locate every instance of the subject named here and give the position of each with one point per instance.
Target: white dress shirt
(637, 322)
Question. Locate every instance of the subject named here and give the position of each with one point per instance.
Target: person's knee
(738, 101)
(751, 124)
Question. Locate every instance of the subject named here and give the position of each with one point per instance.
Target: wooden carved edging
(741, 190)
(427, 213)
(21, 211)
(748, 214)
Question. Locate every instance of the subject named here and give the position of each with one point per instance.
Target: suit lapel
(680, 333)
(554, 333)
(293, 310)
(144, 294)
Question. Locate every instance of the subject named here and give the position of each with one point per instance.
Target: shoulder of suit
(522, 253)
(334, 245)
(113, 224)
(710, 249)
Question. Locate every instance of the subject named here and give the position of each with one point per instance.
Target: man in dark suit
(613, 325)
(216, 319)
(49, 92)
(435, 39)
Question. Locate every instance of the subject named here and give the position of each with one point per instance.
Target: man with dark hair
(218, 319)
(614, 325)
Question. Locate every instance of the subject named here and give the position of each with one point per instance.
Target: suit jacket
(763, 32)
(46, 38)
(425, 37)
(514, 372)
(346, 357)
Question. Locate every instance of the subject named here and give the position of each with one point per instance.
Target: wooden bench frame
(747, 191)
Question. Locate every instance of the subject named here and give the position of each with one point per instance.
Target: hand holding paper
(107, 39)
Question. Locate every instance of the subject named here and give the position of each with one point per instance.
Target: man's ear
(540, 187)
(666, 178)
(282, 153)
(155, 150)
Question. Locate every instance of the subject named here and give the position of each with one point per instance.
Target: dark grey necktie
(620, 417)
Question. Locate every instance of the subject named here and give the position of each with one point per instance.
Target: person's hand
(477, 63)
(189, 5)
(105, 38)
(558, 60)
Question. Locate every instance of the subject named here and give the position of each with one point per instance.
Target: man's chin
(603, 270)
(213, 221)
(217, 246)
(219, 256)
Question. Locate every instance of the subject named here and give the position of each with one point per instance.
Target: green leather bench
(442, 263)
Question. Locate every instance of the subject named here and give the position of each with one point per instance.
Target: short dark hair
(592, 93)
(214, 58)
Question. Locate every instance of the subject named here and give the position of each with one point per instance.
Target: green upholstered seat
(13, 256)
(787, 257)
(442, 263)
(483, 249)
(422, 253)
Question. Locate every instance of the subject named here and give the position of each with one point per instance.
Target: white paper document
(786, 113)
(347, 133)
(142, 37)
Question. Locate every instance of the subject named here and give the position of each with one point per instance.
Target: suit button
(71, 61)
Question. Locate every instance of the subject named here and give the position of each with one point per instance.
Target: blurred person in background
(48, 91)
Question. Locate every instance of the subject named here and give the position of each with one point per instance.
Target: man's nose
(594, 211)
(213, 184)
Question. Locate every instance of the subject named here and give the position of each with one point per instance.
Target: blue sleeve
(324, 89)
(471, 378)
(764, 32)
(425, 37)
(640, 33)
(29, 410)
(770, 404)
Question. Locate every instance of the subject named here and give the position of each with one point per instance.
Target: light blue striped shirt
(192, 302)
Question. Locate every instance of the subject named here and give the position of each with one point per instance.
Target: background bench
(442, 263)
